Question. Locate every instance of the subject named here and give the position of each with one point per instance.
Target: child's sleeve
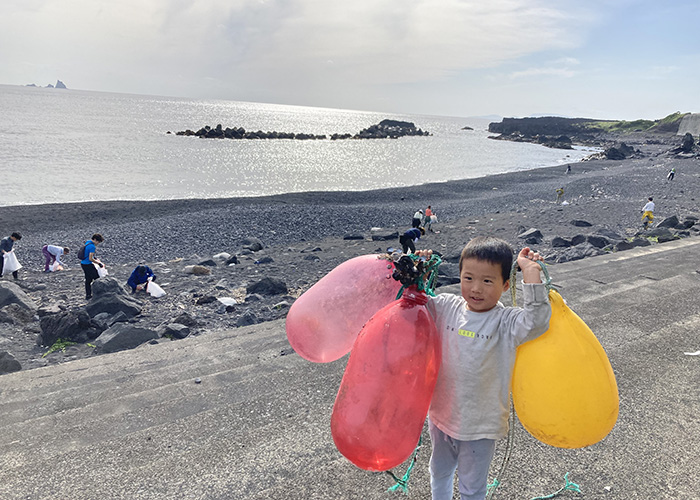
(532, 320)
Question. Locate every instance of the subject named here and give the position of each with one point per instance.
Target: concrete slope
(136, 425)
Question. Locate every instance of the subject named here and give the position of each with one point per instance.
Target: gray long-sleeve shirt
(472, 396)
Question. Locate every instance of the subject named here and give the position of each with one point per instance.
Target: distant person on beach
(417, 218)
(140, 277)
(560, 193)
(89, 261)
(671, 174)
(52, 254)
(648, 212)
(479, 335)
(6, 245)
(428, 219)
(409, 239)
(568, 169)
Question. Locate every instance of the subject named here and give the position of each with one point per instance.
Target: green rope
(513, 271)
(568, 486)
(427, 281)
(402, 483)
(491, 488)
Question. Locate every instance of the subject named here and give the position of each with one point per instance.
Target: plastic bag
(388, 383)
(101, 271)
(154, 290)
(10, 263)
(56, 266)
(564, 389)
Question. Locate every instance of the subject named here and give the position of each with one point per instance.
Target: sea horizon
(71, 146)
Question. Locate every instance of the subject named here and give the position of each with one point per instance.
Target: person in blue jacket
(409, 239)
(139, 278)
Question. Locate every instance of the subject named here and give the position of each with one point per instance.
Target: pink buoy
(388, 383)
(324, 322)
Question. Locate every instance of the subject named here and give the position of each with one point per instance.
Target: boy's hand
(527, 261)
(424, 253)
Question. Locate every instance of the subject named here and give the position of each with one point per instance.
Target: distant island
(386, 129)
(59, 85)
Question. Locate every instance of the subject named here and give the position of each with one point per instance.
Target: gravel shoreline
(302, 233)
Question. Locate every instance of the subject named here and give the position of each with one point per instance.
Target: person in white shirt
(417, 218)
(52, 253)
(648, 212)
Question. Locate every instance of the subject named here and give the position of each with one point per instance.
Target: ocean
(61, 146)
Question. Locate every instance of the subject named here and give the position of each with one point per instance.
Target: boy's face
(481, 284)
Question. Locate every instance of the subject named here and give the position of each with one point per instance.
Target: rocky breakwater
(386, 129)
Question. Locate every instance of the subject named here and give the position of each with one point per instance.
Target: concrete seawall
(136, 425)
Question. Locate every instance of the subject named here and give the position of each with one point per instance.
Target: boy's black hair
(651, 199)
(491, 249)
(97, 237)
(16, 236)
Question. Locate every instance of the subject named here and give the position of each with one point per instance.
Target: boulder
(660, 232)
(597, 240)
(205, 299)
(268, 286)
(175, 330)
(123, 336)
(687, 143)
(689, 221)
(578, 239)
(186, 319)
(108, 286)
(208, 263)
(10, 293)
(623, 245)
(8, 363)
(385, 236)
(669, 222)
(253, 244)
(197, 270)
(609, 234)
(532, 233)
(581, 223)
(112, 304)
(578, 252)
(640, 242)
(73, 325)
(448, 274)
(16, 314)
(247, 318)
(614, 154)
(559, 242)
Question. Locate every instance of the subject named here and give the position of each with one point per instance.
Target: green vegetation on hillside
(668, 124)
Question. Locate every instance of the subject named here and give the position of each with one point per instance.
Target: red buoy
(388, 383)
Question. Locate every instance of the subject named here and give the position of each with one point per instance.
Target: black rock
(353, 237)
(247, 318)
(578, 239)
(265, 260)
(73, 325)
(208, 262)
(559, 242)
(8, 363)
(532, 234)
(123, 336)
(578, 252)
(268, 286)
(385, 236)
(623, 245)
(176, 330)
(581, 223)
(669, 222)
(312, 257)
(10, 293)
(688, 143)
(205, 299)
(232, 260)
(251, 243)
(597, 241)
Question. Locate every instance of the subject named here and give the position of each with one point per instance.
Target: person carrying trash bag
(52, 255)
(8, 260)
(140, 278)
(90, 263)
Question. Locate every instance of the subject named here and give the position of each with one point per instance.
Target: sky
(608, 59)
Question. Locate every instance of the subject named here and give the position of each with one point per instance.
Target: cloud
(267, 44)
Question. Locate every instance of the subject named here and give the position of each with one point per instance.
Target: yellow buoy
(564, 389)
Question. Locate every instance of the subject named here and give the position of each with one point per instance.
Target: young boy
(140, 278)
(470, 405)
(86, 263)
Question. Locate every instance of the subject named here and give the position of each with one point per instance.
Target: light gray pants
(471, 459)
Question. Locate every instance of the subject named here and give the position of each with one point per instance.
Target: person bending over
(140, 277)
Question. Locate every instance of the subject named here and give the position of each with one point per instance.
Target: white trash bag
(154, 290)
(56, 266)
(10, 263)
(101, 271)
